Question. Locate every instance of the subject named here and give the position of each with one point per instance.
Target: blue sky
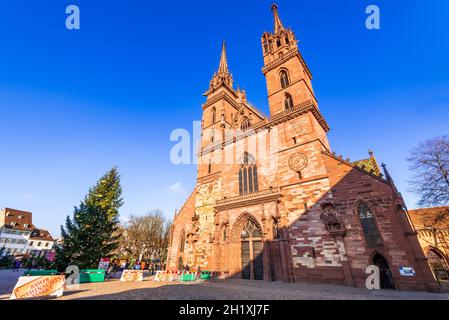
(75, 103)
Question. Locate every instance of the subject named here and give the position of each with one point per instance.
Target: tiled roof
(369, 165)
(41, 234)
(17, 220)
(426, 218)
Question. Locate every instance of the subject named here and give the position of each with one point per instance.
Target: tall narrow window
(369, 226)
(214, 115)
(183, 240)
(212, 135)
(248, 175)
(256, 183)
(225, 234)
(284, 79)
(288, 102)
(209, 169)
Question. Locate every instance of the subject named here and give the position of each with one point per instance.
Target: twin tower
(289, 85)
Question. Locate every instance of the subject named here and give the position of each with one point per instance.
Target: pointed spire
(390, 179)
(278, 26)
(387, 174)
(223, 68)
(223, 75)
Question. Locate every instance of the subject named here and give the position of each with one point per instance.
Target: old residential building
(19, 236)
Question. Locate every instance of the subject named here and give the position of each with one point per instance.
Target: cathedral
(272, 201)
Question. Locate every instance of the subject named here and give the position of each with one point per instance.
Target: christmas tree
(88, 236)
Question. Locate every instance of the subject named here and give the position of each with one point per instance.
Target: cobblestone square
(231, 289)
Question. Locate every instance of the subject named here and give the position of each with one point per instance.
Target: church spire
(278, 26)
(223, 76)
(223, 67)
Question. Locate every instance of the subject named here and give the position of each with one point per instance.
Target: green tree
(89, 235)
(6, 260)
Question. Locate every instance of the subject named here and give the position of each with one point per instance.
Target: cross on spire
(278, 26)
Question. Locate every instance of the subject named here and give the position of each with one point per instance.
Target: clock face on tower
(298, 162)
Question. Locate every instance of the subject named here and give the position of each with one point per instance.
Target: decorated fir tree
(88, 236)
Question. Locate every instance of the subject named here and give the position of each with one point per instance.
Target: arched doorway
(386, 276)
(438, 265)
(251, 244)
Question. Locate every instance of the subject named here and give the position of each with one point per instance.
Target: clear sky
(75, 103)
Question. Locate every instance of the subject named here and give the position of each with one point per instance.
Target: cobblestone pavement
(221, 290)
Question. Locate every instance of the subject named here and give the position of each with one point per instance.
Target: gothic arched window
(372, 235)
(214, 115)
(251, 230)
(248, 182)
(288, 102)
(284, 79)
(246, 123)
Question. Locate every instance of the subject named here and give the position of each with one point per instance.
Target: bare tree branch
(429, 163)
(145, 237)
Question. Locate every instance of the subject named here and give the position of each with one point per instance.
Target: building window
(214, 115)
(288, 102)
(246, 123)
(284, 79)
(209, 168)
(278, 43)
(248, 182)
(212, 135)
(183, 240)
(369, 226)
(39, 244)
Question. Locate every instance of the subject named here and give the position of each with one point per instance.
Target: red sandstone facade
(286, 208)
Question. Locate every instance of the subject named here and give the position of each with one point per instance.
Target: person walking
(17, 264)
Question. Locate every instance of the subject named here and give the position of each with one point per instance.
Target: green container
(92, 275)
(40, 273)
(205, 275)
(188, 277)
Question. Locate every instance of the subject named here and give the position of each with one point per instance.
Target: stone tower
(289, 80)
